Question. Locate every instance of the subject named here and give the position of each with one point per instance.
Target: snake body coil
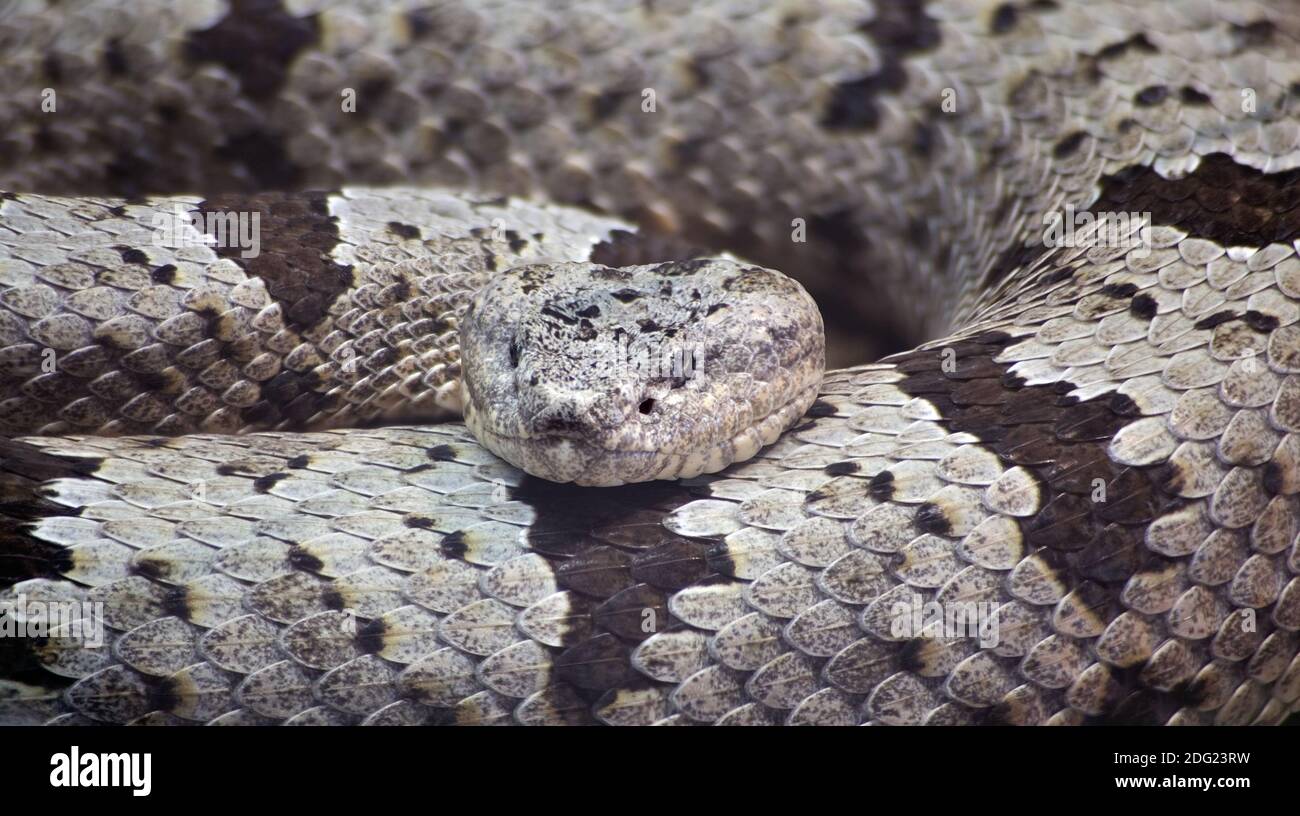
(1078, 504)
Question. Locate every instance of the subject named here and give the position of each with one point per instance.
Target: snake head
(583, 373)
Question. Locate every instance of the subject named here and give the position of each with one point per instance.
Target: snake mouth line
(569, 459)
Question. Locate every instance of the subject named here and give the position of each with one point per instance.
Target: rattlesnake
(1099, 457)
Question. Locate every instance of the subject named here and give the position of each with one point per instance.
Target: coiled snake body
(1099, 458)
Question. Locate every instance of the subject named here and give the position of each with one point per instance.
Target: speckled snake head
(603, 376)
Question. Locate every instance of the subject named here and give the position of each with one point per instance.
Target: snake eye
(514, 353)
(646, 406)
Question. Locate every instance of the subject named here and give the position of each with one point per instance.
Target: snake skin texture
(178, 336)
(1103, 447)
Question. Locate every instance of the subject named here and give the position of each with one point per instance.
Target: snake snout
(578, 418)
(554, 422)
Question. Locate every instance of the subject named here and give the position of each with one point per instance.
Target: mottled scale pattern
(1102, 448)
(117, 316)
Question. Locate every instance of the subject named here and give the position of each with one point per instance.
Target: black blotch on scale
(820, 408)
(404, 231)
(842, 469)
(300, 559)
(1004, 19)
(263, 484)
(1143, 306)
(1151, 95)
(1216, 319)
(930, 518)
(163, 274)
(1068, 144)
(369, 638)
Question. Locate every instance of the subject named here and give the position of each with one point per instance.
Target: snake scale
(233, 454)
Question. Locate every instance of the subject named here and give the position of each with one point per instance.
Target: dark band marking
(671, 565)
(24, 471)
(257, 42)
(598, 663)
(624, 613)
(297, 235)
(265, 157)
(610, 549)
(899, 29)
(1222, 201)
(276, 407)
(1004, 19)
(1091, 545)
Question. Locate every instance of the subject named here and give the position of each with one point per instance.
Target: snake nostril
(646, 406)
